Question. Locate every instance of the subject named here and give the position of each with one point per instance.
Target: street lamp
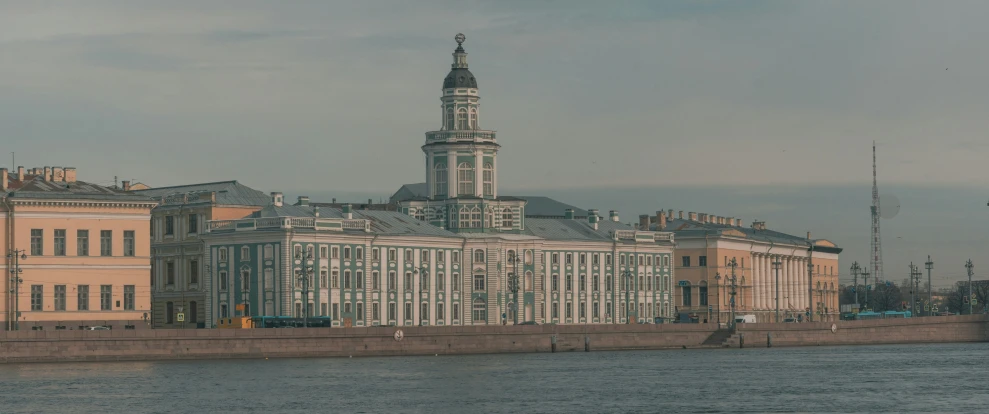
(777, 265)
(717, 278)
(734, 286)
(305, 273)
(513, 284)
(15, 277)
(629, 277)
(424, 272)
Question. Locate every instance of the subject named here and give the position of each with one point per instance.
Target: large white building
(459, 254)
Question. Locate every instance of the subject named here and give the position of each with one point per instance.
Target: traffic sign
(974, 301)
(935, 308)
(927, 308)
(180, 317)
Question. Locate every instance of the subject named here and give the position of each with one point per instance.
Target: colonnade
(794, 282)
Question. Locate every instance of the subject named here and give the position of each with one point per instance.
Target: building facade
(177, 261)
(80, 252)
(805, 287)
(459, 254)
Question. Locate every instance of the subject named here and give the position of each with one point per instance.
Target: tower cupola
(459, 76)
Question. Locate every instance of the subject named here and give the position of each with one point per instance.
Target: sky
(757, 109)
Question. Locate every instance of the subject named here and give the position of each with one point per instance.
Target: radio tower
(876, 258)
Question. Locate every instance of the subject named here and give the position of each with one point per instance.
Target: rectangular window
(455, 257)
(569, 258)
(128, 242)
(583, 310)
(193, 272)
(360, 310)
(583, 259)
(224, 313)
(169, 225)
(346, 279)
(595, 259)
(169, 273)
(569, 282)
(60, 242)
(106, 297)
(222, 254)
(375, 280)
(595, 280)
(245, 280)
(456, 311)
(82, 242)
(193, 223)
(595, 311)
(702, 295)
(374, 311)
(392, 311)
(375, 254)
(223, 279)
(440, 257)
(440, 282)
(556, 258)
(322, 252)
(392, 280)
(408, 311)
(82, 297)
(323, 278)
(583, 282)
(686, 261)
(346, 307)
(607, 259)
(408, 255)
(335, 279)
(336, 311)
(608, 310)
(359, 253)
(439, 312)
(424, 255)
(556, 310)
(322, 309)
(408, 281)
(686, 296)
(478, 282)
(37, 242)
(702, 260)
(60, 297)
(607, 283)
(335, 252)
(392, 255)
(129, 297)
(359, 276)
(556, 283)
(106, 242)
(169, 312)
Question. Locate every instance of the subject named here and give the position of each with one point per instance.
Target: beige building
(179, 271)
(805, 287)
(80, 250)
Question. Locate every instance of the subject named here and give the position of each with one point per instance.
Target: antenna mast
(876, 258)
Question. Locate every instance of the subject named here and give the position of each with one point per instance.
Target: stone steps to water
(717, 338)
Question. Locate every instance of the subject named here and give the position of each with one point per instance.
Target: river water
(867, 379)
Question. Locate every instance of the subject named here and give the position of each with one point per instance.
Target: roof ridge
(192, 185)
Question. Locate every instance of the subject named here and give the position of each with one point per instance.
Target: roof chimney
(315, 211)
(669, 215)
(126, 185)
(277, 199)
(702, 217)
(613, 215)
(302, 201)
(759, 225)
(4, 184)
(680, 215)
(643, 222)
(70, 174)
(568, 214)
(20, 173)
(592, 217)
(347, 214)
(369, 202)
(57, 174)
(692, 216)
(808, 235)
(738, 222)
(660, 221)
(48, 173)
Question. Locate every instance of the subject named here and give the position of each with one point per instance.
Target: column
(760, 281)
(768, 270)
(804, 284)
(479, 176)
(451, 177)
(787, 292)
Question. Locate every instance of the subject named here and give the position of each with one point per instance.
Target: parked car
(99, 328)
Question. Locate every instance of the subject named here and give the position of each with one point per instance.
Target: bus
(291, 322)
(868, 315)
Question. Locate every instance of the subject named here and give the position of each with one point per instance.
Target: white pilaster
(478, 174)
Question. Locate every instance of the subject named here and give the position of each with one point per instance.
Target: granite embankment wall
(961, 328)
(121, 345)
(53, 346)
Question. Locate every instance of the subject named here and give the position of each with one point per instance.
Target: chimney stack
(369, 202)
(347, 214)
(669, 215)
(4, 183)
(48, 173)
(660, 221)
(70, 174)
(738, 222)
(126, 185)
(315, 211)
(277, 199)
(592, 217)
(680, 215)
(702, 217)
(692, 216)
(568, 214)
(20, 173)
(613, 215)
(643, 222)
(808, 235)
(302, 201)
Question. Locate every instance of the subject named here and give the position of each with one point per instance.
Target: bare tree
(885, 297)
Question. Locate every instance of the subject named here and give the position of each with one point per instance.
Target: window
(169, 312)
(408, 281)
(106, 242)
(106, 297)
(583, 310)
(556, 282)
(222, 254)
(323, 278)
(608, 283)
(439, 178)
(359, 253)
(621, 260)
(59, 297)
(473, 118)
(685, 295)
(686, 261)
(310, 254)
(225, 314)
(323, 309)
(408, 255)
(480, 311)
(455, 314)
(169, 273)
(375, 280)
(346, 279)
(82, 297)
(701, 261)
(193, 313)
(595, 259)
(193, 272)
(556, 258)
(462, 119)
(608, 309)
(392, 280)
(128, 242)
(375, 315)
(648, 260)
(556, 310)
(666, 261)
(528, 281)
(392, 311)
(193, 223)
(392, 255)
(335, 252)
(569, 282)
(478, 256)
(455, 257)
(583, 282)
(424, 282)
(440, 282)
(269, 280)
(595, 311)
(359, 276)
(322, 252)
(223, 279)
(569, 258)
(478, 282)
(583, 259)
(360, 310)
(607, 259)
(346, 253)
(336, 311)
(60, 242)
(449, 118)
(128, 297)
(702, 295)
(465, 179)
(424, 312)
(335, 279)
(424, 255)
(487, 174)
(595, 280)
(455, 282)
(169, 225)
(375, 255)
(408, 311)
(245, 280)
(439, 312)
(37, 242)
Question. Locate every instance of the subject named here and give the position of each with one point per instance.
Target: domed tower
(461, 162)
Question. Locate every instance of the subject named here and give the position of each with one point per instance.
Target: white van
(745, 319)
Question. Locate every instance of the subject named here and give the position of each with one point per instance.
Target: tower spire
(459, 55)
(876, 256)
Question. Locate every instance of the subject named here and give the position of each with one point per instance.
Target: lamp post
(855, 285)
(16, 256)
(734, 287)
(930, 299)
(717, 278)
(627, 275)
(305, 273)
(777, 265)
(513, 285)
(422, 273)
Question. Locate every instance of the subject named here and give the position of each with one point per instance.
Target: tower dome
(459, 76)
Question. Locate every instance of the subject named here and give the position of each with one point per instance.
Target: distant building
(450, 255)
(706, 245)
(180, 272)
(81, 250)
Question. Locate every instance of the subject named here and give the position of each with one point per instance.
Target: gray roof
(39, 188)
(545, 207)
(410, 191)
(688, 229)
(227, 193)
(382, 222)
(576, 229)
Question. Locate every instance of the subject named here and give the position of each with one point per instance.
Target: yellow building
(805, 286)
(81, 252)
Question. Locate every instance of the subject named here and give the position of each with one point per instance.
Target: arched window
(473, 118)
(439, 179)
(449, 118)
(506, 218)
(488, 175)
(478, 256)
(465, 179)
(464, 217)
(480, 313)
(475, 217)
(528, 281)
(419, 214)
(462, 119)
